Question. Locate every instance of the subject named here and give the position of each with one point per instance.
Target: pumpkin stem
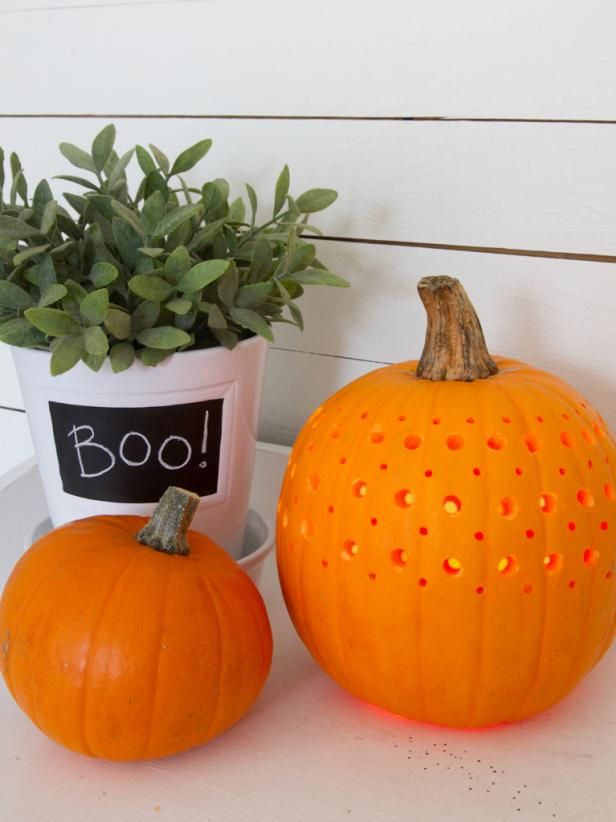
(166, 529)
(455, 348)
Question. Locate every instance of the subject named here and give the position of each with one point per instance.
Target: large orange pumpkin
(447, 531)
(123, 652)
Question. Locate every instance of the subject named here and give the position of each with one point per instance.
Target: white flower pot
(111, 443)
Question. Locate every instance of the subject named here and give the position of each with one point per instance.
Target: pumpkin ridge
(93, 633)
(156, 679)
(204, 586)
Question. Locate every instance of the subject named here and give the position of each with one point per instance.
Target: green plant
(167, 268)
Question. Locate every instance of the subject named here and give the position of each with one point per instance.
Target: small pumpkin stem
(455, 348)
(166, 529)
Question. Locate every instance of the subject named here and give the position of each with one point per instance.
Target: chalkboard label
(134, 454)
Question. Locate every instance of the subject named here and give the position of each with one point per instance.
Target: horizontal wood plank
(400, 58)
(519, 186)
(556, 314)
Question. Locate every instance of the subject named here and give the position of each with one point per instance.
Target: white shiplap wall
(440, 123)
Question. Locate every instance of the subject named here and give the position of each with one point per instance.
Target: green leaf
(156, 182)
(128, 216)
(161, 159)
(48, 220)
(176, 218)
(319, 276)
(93, 361)
(152, 356)
(12, 228)
(253, 322)
(164, 337)
(102, 202)
(303, 256)
(176, 264)
(151, 252)
(43, 273)
(78, 157)
(27, 253)
(127, 240)
(20, 332)
(297, 316)
(51, 294)
(190, 157)
(13, 296)
(42, 195)
(152, 212)
(95, 340)
(261, 260)
(282, 189)
(122, 356)
(80, 181)
(52, 321)
(94, 307)
(179, 305)
(205, 235)
(103, 274)
(251, 296)
(202, 274)
(102, 146)
(118, 323)
(118, 170)
(228, 285)
(237, 210)
(2, 177)
(316, 199)
(144, 316)
(215, 317)
(146, 163)
(227, 338)
(66, 353)
(150, 287)
(252, 197)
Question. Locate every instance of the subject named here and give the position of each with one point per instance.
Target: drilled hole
(305, 528)
(401, 418)
(553, 562)
(571, 583)
(413, 441)
(496, 442)
(454, 442)
(529, 533)
(374, 521)
(603, 525)
(470, 420)
(371, 576)
(589, 463)
(377, 435)
(342, 460)
(506, 420)
(566, 439)
(548, 502)
(591, 556)
(404, 498)
(508, 507)
(608, 491)
(422, 582)
(588, 436)
(423, 531)
(518, 472)
(428, 473)
(350, 549)
(436, 421)
(363, 415)
(528, 589)
(324, 563)
(479, 536)
(571, 526)
(452, 567)
(451, 505)
(540, 418)
(383, 466)
(336, 432)
(399, 557)
(532, 443)
(585, 498)
(479, 589)
(359, 488)
(562, 471)
(313, 482)
(476, 472)
(330, 509)
(508, 565)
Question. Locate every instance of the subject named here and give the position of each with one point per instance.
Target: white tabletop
(308, 751)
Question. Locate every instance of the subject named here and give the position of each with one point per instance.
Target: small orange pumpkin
(119, 651)
(446, 531)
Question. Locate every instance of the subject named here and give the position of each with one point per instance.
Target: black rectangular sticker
(134, 454)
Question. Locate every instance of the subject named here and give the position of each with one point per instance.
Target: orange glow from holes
(360, 489)
(452, 567)
(566, 439)
(313, 482)
(422, 582)
(591, 556)
(508, 507)
(553, 562)
(479, 589)
(496, 442)
(336, 432)
(604, 525)
(451, 505)
(349, 549)
(476, 472)
(585, 498)
(508, 565)
(532, 443)
(405, 498)
(413, 441)
(609, 492)
(548, 502)
(399, 557)
(377, 436)
(454, 442)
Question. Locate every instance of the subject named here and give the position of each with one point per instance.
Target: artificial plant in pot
(123, 278)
